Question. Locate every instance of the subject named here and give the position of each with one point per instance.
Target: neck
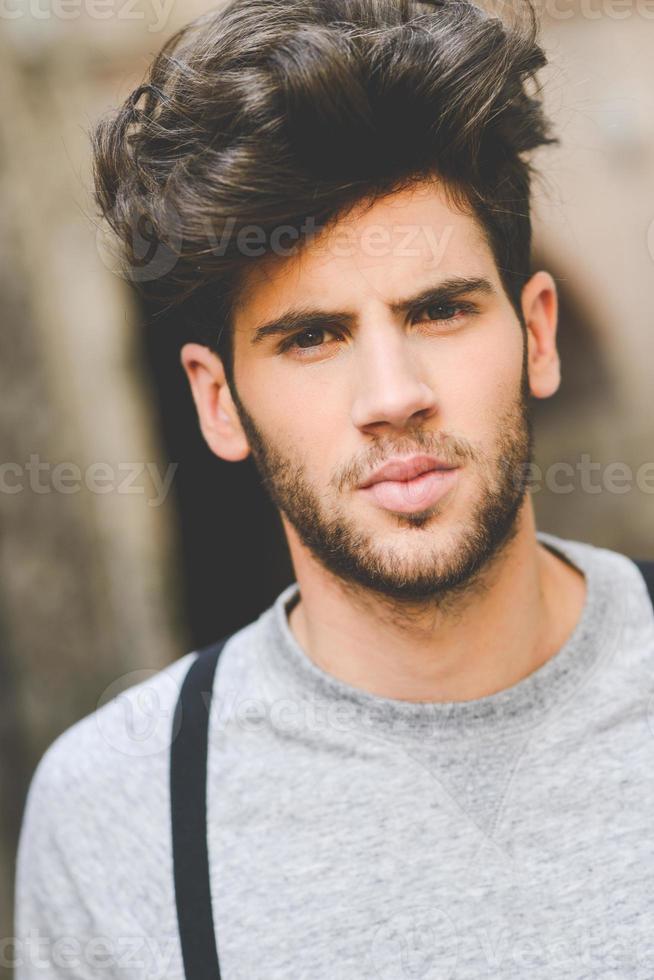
(522, 608)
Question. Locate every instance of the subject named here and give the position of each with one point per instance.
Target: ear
(217, 415)
(540, 310)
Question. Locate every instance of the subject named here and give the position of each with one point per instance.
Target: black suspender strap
(647, 571)
(188, 798)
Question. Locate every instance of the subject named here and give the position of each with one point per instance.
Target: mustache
(452, 451)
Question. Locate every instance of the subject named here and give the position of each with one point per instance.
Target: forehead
(411, 238)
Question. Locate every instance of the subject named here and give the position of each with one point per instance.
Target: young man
(431, 757)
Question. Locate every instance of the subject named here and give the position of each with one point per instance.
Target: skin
(458, 601)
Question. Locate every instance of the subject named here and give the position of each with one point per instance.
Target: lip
(405, 470)
(412, 496)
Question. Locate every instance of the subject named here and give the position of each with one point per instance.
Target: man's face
(381, 380)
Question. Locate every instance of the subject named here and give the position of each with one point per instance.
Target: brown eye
(314, 332)
(307, 341)
(435, 311)
(445, 313)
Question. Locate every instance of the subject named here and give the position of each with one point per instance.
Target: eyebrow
(293, 321)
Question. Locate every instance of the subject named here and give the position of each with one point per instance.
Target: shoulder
(94, 782)
(133, 722)
(98, 791)
(618, 588)
(585, 555)
(120, 751)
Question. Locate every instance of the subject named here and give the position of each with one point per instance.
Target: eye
(434, 311)
(312, 334)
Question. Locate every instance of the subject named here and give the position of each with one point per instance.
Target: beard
(434, 566)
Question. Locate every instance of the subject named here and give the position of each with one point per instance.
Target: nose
(390, 387)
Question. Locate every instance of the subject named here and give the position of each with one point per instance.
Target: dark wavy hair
(262, 114)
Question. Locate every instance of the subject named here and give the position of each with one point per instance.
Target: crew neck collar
(522, 704)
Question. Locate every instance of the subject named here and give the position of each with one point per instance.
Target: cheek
(302, 417)
(478, 383)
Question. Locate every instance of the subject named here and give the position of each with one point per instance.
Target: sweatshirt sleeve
(55, 932)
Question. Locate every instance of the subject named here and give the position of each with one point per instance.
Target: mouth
(406, 469)
(415, 493)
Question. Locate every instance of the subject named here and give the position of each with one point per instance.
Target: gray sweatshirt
(354, 837)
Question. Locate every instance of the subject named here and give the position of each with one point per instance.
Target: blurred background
(124, 543)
